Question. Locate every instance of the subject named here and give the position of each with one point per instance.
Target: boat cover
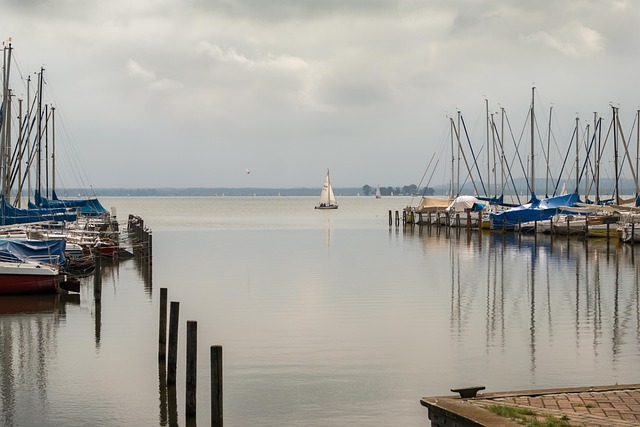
(10, 215)
(433, 204)
(535, 210)
(42, 251)
(466, 204)
(83, 206)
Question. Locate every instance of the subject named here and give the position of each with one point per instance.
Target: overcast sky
(192, 93)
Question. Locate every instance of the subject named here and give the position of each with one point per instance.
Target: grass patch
(529, 417)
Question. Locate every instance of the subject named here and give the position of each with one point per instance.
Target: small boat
(27, 278)
(327, 199)
(30, 267)
(378, 195)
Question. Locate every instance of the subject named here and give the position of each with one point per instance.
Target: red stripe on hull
(26, 284)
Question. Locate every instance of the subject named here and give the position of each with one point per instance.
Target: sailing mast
(486, 106)
(596, 122)
(615, 154)
(533, 89)
(546, 186)
(453, 160)
(6, 118)
(577, 154)
(39, 137)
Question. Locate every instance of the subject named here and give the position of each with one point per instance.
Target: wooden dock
(615, 405)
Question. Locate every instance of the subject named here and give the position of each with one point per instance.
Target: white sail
(327, 199)
(378, 195)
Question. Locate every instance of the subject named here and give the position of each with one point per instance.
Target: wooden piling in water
(150, 249)
(162, 336)
(216, 385)
(192, 368)
(397, 219)
(97, 278)
(390, 218)
(174, 315)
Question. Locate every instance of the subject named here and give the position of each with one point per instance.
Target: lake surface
(326, 318)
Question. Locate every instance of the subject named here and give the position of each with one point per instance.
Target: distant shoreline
(164, 192)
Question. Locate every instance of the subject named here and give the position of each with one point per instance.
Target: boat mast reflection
(581, 296)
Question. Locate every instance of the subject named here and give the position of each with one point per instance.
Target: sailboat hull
(327, 207)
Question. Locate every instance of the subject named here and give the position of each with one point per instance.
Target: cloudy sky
(191, 93)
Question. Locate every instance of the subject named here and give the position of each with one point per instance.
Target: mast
(546, 186)
(533, 89)
(46, 149)
(453, 160)
(6, 178)
(637, 144)
(459, 151)
(53, 150)
(6, 119)
(486, 105)
(502, 147)
(615, 153)
(596, 122)
(18, 201)
(493, 144)
(587, 149)
(577, 154)
(39, 140)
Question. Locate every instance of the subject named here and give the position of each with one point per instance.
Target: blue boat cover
(47, 251)
(535, 210)
(10, 215)
(83, 206)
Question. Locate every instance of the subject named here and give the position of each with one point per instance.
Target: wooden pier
(616, 406)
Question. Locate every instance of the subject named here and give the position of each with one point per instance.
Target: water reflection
(562, 292)
(28, 336)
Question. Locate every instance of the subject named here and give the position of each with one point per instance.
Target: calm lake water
(326, 318)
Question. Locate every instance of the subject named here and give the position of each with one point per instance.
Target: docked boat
(327, 199)
(27, 278)
(28, 267)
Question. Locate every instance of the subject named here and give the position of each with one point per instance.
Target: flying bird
(247, 171)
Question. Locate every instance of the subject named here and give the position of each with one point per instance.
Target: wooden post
(97, 277)
(586, 226)
(150, 252)
(397, 219)
(535, 227)
(192, 368)
(608, 229)
(480, 220)
(162, 336)
(390, 218)
(174, 314)
(468, 220)
(216, 386)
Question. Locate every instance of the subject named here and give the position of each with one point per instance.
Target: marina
(331, 319)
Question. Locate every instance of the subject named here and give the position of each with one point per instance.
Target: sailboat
(378, 195)
(327, 199)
